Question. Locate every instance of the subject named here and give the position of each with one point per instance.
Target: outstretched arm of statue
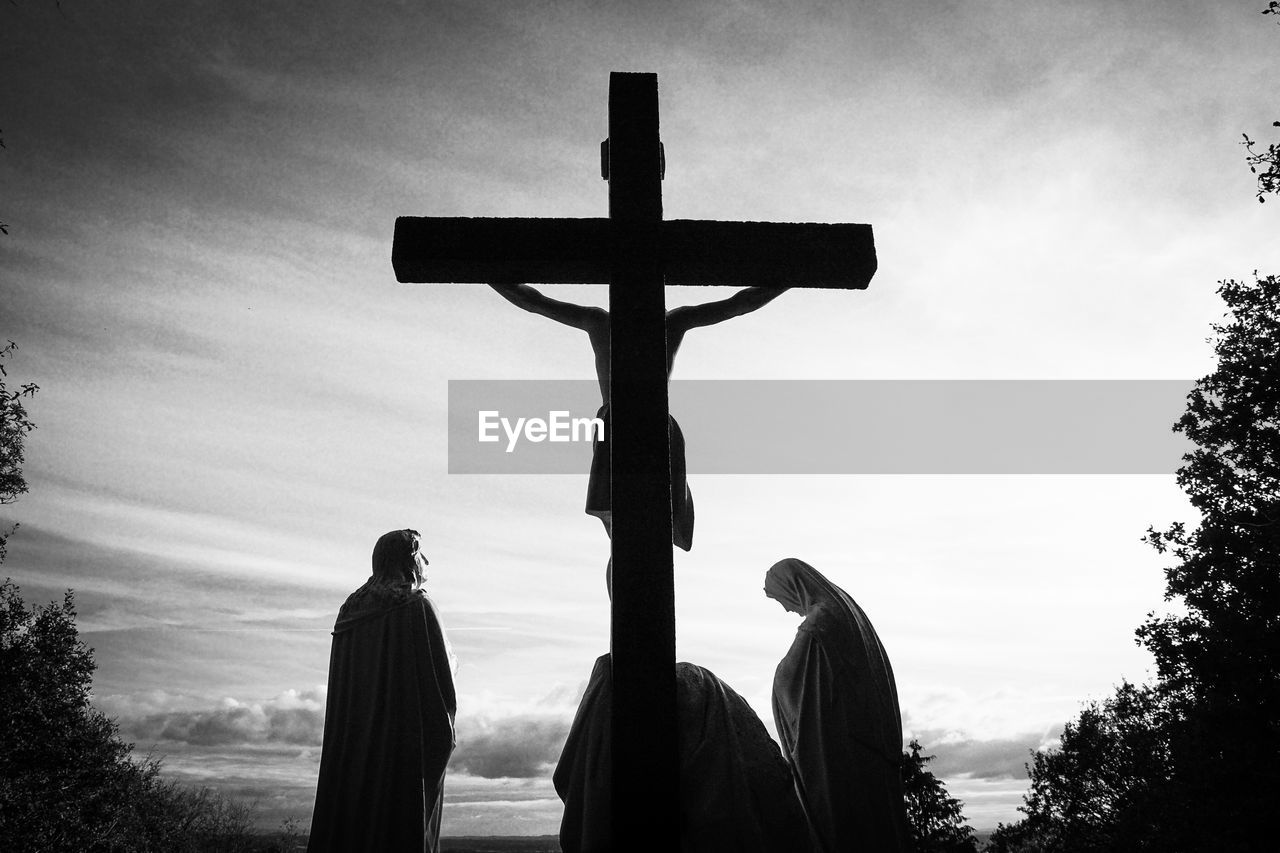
(524, 296)
(680, 320)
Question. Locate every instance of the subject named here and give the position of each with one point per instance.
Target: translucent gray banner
(840, 426)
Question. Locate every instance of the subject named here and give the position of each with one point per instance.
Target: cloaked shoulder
(825, 620)
(376, 599)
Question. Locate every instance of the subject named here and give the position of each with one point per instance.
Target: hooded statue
(388, 728)
(735, 790)
(836, 709)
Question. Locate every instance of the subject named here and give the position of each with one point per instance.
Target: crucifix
(636, 253)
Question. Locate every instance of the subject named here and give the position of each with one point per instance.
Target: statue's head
(398, 559)
(794, 584)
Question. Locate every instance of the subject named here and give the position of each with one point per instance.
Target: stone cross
(636, 252)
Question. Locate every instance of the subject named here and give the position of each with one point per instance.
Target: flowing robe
(388, 729)
(736, 792)
(836, 708)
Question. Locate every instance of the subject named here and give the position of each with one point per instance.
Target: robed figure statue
(735, 790)
(836, 708)
(388, 728)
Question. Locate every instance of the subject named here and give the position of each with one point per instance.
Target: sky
(237, 398)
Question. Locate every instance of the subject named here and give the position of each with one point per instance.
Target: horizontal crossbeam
(482, 250)
(780, 254)
(577, 251)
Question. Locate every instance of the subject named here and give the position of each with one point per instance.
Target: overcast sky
(237, 399)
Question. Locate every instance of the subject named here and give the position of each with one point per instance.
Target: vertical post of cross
(645, 760)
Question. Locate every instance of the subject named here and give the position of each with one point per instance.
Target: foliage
(1267, 160)
(1223, 653)
(67, 781)
(14, 426)
(1192, 762)
(1104, 787)
(1227, 567)
(937, 823)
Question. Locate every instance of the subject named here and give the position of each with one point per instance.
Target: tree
(67, 781)
(1222, 655)
(936, 820)
(1106, 786)
(1192, 762)
(1268, 160)
(1226, 573)
(14, 427)
(1200, 771)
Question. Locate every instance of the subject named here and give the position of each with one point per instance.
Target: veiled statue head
(398, 560)
(797, 586)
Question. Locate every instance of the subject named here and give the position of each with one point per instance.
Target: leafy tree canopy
(14, 426)
(1099, 789)
(67, 781)
(1192, 762)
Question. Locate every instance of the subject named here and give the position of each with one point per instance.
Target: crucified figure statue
(595, 322)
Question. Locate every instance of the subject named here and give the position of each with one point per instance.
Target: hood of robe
(393, 582)
(802, 588)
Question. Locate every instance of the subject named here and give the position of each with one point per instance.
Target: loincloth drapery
(599, 487)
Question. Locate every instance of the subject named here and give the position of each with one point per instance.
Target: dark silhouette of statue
(595, 322)
(836, 709)
(736, 792)
(388, 729)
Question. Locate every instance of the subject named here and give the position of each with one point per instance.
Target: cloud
(503, 744)
(292, 718)
(997, 758)
(126, 707)
(522, 746)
